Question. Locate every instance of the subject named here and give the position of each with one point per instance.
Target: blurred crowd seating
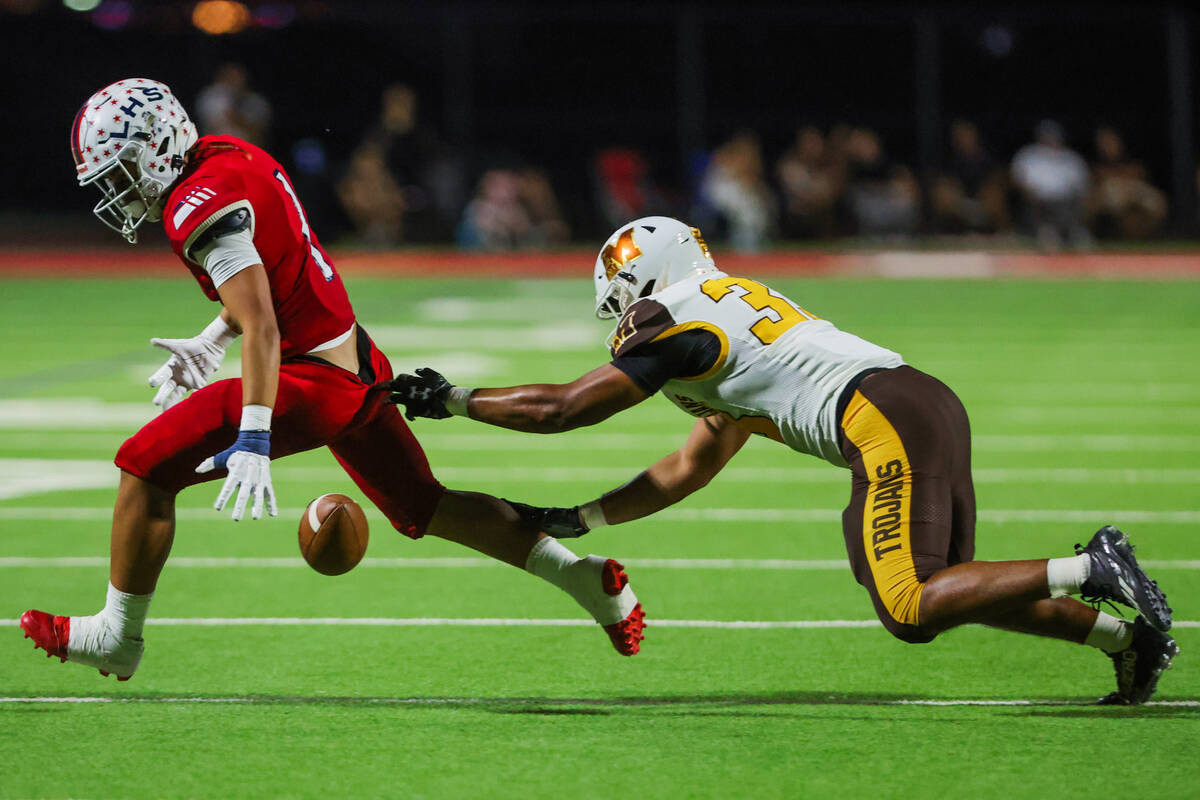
(402, 184)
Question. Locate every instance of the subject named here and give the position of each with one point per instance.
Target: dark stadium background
(550, 84)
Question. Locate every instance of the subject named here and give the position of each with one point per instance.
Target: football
(333, 534)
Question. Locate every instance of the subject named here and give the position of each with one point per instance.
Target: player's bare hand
(422, 395)
(249, 463)
(191, 363)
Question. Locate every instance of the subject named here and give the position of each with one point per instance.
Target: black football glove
(561, 523)
(422, 395)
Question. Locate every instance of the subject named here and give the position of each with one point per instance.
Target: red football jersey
(225, 173)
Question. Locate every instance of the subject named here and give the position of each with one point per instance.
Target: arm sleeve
(682, 355)
(225, 247)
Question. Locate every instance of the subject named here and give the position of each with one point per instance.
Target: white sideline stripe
(782, 474)
(1187, 415)
(562, 336)
(486, 622)
(24, 476)
(785, 564)
(1085, 516)
(1100, 443)
(633, 442)
(21, 419)
(464, 701)
(20, 476)
(508, 622)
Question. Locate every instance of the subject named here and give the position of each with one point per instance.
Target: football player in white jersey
(746, 360)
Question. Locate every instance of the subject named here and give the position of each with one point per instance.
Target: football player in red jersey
(311, 377)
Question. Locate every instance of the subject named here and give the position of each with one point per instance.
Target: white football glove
(191, 363)
(249, 463)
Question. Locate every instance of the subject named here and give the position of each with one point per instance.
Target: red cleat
(613, 577)
(626, 635)
(48, 632)
(52, 633)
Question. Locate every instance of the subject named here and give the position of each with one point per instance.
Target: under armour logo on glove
(422, 395)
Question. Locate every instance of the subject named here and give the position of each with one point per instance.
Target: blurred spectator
(623, 187)
(229, 107)
(371, 198)
(970, 195)
(545, 217)
(1053, 181)
(811, 179)
(1123, 203)
(735, 189)
(883, 198)
(512, 210)
(426, 174)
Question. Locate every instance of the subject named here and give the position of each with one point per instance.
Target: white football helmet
(646, 256)
(129, 140)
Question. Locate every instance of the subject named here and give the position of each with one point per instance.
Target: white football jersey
(780, 371)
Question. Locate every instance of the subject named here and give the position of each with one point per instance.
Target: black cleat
(1140, 665)
(1115, 575)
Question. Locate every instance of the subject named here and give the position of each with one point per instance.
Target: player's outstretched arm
(710, 445)
(533, 408)
(247, 298)
(712, 442)
(192, 361)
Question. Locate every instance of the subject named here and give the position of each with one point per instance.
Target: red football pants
(318, 405)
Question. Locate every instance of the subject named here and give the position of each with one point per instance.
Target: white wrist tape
(256, 418)
(592, 515)
(219, 333)
(456, 400)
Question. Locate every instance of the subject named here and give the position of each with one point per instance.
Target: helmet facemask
(621, 294)
(126, 200)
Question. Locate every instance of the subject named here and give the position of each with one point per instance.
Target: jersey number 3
(326, 270)
(759, 298)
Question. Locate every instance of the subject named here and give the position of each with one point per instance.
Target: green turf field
(1085, 402)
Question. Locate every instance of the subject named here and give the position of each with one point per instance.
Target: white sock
(1066, 575)
(1110, 634)
(122, 617)
(549, 560)
(580, 578)
(125, 613)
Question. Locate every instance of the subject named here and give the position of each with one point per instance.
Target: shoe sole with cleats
(628, 634)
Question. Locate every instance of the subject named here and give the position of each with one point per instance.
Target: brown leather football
(333, 534)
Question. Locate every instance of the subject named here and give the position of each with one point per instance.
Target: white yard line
(507, 622)
(1085, 516)
(22, 477)
(766, 475)
(575, 441)
(250, 562)
(37, 424)
(1097, 443)
(1185, 415)
(597, 701)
